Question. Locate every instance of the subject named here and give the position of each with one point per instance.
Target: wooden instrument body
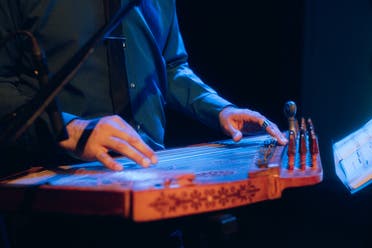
(190, 180)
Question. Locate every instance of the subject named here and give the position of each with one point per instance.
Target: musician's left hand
(236, 121)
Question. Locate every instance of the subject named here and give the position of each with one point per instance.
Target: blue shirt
(158, 73)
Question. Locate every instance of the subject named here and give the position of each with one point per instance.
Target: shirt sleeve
(186, 90)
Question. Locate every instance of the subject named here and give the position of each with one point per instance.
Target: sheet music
(353, 158)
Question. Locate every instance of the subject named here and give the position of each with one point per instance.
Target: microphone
(41, 71)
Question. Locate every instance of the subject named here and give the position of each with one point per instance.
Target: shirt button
(132, 85)
(138, 127)
(124, 44)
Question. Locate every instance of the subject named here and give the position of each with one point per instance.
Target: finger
(233, 132)
(254, 116)
(108, 161)
(274, 131)
(131, 137)
(126, 149)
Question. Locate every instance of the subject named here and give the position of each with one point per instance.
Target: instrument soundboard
(188, 180)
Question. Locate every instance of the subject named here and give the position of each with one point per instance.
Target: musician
(122, 114)
(115, 104)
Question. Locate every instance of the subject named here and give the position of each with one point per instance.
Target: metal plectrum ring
(265, 124)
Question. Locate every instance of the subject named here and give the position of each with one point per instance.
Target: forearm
(189, 93)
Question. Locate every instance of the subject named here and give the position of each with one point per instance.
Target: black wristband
(80, 146)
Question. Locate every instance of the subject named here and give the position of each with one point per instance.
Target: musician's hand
(235, 122)
(109, 133)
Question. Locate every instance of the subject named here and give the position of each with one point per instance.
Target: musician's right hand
(110, 133)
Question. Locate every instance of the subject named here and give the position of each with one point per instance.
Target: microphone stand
(17, 122)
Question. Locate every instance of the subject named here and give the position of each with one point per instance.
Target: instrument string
(247, 148)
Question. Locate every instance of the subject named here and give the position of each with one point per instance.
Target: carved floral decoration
(196, 199)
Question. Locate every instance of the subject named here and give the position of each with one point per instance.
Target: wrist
(74, 129)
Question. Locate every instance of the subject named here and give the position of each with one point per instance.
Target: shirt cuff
(208, 111)
(67, 118)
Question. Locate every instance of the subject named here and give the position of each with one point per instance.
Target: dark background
(249, 52)
(259, 54)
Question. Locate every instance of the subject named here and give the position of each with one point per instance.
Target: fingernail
(236, 136)
(154, 159)
(146, 162)
(118, 167)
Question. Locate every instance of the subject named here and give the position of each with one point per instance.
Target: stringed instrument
(187, 180)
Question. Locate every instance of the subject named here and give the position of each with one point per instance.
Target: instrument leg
(4, 238)
(215, 230)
